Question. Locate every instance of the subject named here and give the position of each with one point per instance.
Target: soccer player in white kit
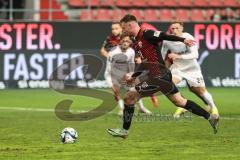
(120, 60)
(185, 66)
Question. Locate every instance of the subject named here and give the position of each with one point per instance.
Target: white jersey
(118, 64)
(187, 67)
(188, 62)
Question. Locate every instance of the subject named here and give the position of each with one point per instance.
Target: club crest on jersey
(139, 54)
(156, 33)
(144, 85)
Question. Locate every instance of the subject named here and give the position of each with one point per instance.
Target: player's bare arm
(104, 52)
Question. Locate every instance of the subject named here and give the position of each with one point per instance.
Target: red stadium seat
(107, 3)
(93, 3)
(231, 3)
(103, 15)
(56, 15)
(185, 3)
(117, 14)
(137, 13)
(59, 16)
(154, 3)
(87, 15)
(166, 14)
(200, 3)
(169, 3)
(151, 15)
(182, 14)
(216, 3)
(124, 3)
(197, 15)
(139, 3)
(77, 3)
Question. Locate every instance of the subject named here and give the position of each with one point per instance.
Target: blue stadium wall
(29, 51)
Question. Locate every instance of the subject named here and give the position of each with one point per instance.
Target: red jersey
(148, 48)
(111, 42)
(148, 26)
(148, 51)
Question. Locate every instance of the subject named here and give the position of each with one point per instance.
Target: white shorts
(110, 81)
(194, 79)
(114, 80)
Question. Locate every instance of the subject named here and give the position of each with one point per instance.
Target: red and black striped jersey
(111, 42)
(147, 47)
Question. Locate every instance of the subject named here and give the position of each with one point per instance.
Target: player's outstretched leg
(180, 111)
(191, 106)
(206, 97)
(117, 96)
(130, 99)
(127, 119)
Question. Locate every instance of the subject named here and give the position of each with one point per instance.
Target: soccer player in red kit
(111, 43)
(112, 40)
(159, 78)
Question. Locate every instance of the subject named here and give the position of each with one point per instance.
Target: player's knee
(198, 90)
(117, 97)
(202, 91)
(180, 102)
(130, 98)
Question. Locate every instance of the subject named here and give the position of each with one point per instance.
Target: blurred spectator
(237, 15)
(216, 17)
(227, 14)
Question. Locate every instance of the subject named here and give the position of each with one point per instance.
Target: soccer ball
(68, 135)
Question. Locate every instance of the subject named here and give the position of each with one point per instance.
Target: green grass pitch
(34, 134)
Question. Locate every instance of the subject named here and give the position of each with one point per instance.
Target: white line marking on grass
(35, 109)
(80, 111)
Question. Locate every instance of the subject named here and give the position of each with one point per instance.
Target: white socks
(142, 108)
(140, 104)
(208, 98)
(121, 104)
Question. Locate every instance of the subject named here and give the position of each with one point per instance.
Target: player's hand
(138, 60)
(128, 79)
(189, 42)
(174, 56)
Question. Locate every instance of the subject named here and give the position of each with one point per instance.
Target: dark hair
(124, 35)
(177, 21)
(128, 18)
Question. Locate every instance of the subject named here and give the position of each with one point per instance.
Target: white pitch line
(80, 111)
(27, 109)
(34, 109)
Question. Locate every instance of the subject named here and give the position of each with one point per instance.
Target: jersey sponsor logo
(139, 54)
(156, 33)
(144, 85)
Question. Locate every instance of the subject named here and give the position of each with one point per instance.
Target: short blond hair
(177, 21)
